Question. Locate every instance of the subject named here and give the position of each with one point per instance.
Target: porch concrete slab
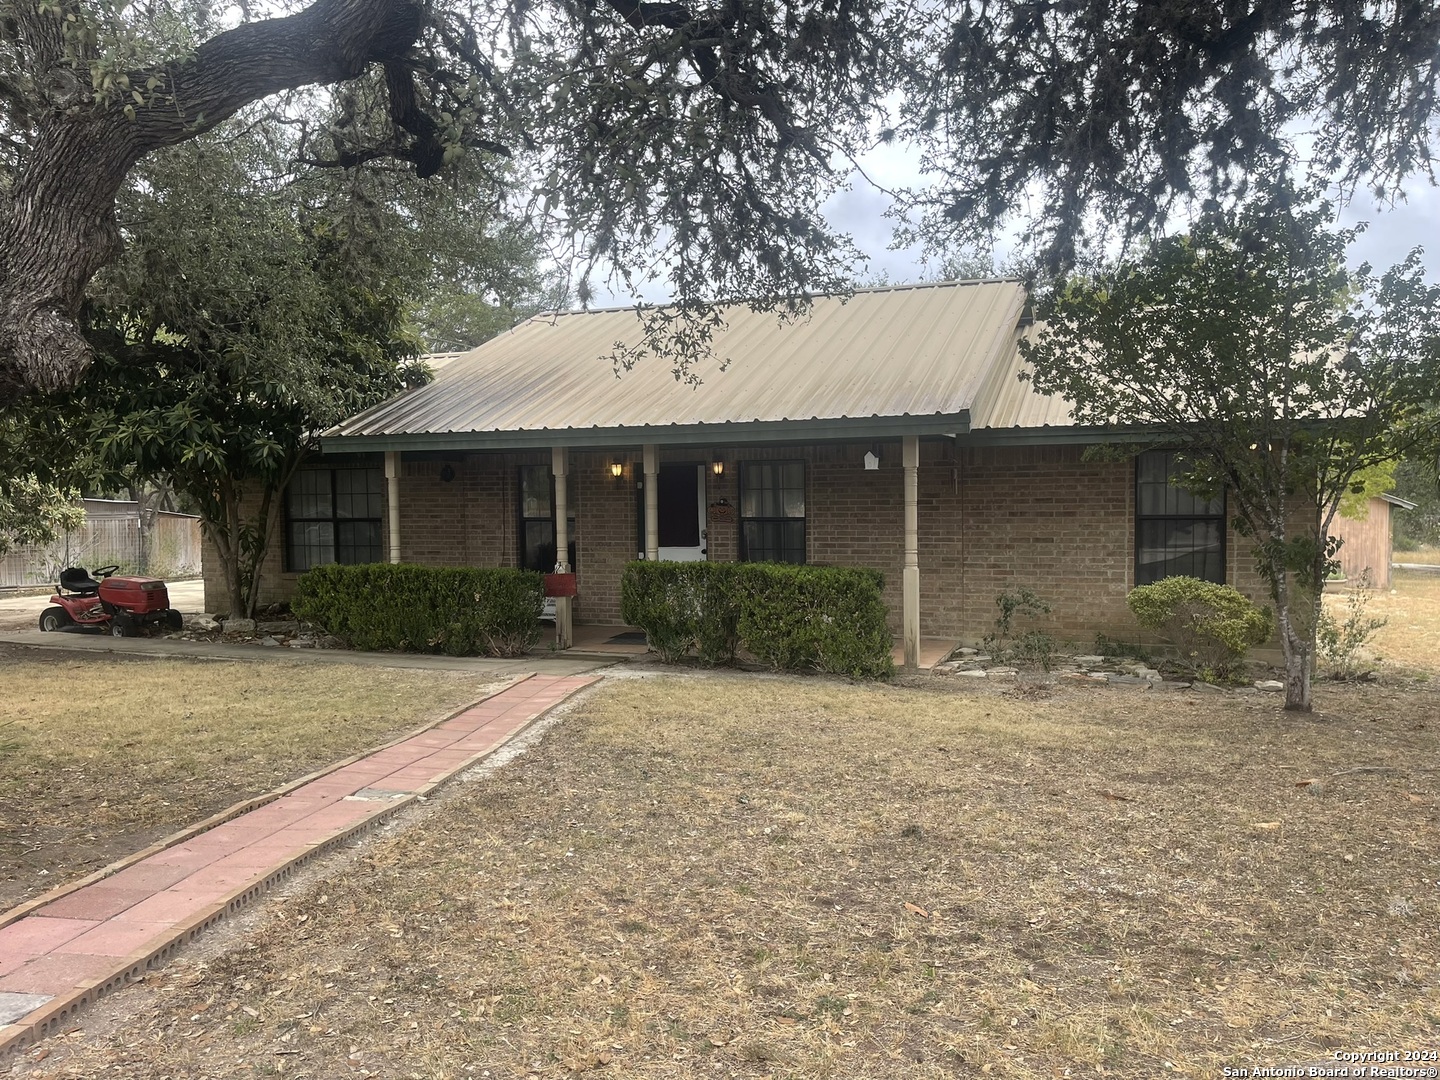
(91, 938)
(14, 1006)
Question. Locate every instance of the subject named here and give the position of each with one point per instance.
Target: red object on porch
(560, 585)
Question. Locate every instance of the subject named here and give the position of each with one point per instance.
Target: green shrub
(460, 611)
(1029, 648)
(660, 598)
(1340, 641)
(1212, 626)
(791, 617)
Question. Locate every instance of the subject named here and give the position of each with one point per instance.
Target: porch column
(560, 466)
(910, 457)
(392, 500)
(652, 501)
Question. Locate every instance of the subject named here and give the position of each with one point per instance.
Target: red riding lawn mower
(121, 605)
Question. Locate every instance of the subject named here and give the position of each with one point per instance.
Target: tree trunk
(61, 224)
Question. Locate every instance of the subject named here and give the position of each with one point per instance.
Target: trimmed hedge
(459, 611)
(1212, 626)
(793, 618)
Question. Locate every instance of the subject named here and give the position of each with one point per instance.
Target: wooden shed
(1367, 544)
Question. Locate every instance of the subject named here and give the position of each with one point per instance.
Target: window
(1176, 533)
(333, 516)
(537, 520)
(772, 511)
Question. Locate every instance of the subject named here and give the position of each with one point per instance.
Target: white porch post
(560, 466)
(652, 501)
(392, 500)
(911, 610)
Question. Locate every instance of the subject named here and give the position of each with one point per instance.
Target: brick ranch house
(889, 430)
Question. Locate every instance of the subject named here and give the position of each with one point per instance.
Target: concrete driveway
(23, 612)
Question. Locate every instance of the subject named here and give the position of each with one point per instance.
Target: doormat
(629, 637)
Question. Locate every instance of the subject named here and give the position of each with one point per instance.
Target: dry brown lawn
(100, 756)
(1410, 640)
(1429, 555)
(743, 876)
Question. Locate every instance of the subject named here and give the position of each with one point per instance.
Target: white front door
(682, 512)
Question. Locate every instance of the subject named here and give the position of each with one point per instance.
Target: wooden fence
(168, 548)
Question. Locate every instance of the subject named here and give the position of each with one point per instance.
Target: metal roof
(930, 359)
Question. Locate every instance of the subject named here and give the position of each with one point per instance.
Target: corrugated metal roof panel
(908, 351)
(1006, 401)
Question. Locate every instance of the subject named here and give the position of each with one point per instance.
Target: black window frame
(335, 519)
(803, 520)
(1217, 517)
(522, 519)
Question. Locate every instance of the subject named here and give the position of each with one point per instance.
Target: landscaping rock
(1166, 685)
(1003, 671)
(1270, 686)
(966, 652)
(1125, 680)
(269, 640)
(239, 626)
(1207, 688)
(201, 622)
(1090, 661)
(974, 673)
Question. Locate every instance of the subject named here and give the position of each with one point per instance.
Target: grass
(1430, 555)
(746, 876)
(1410, 640)
(100, 757)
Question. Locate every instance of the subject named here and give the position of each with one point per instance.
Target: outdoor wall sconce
(718, 468)
(617, 470)
(447, 473)
(872, 460)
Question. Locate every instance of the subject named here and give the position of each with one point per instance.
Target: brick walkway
(60, 953)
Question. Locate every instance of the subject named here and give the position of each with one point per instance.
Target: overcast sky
(861, 211)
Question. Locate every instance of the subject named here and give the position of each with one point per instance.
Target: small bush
(791, 617)
(1212, 626)
(1340, 640)
(460, 611)
(1030, 648)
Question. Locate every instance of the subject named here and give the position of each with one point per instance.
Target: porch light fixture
(872, 459)
(718, 468)
(447, 473)
(617, 470)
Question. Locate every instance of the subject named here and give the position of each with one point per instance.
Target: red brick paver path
(61, 955)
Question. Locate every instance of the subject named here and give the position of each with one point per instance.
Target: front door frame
(701, 552)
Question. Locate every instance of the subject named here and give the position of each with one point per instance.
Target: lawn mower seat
(78, 580)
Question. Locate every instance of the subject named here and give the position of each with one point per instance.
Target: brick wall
(991, 519)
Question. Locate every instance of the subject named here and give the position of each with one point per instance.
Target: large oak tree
(697, 139)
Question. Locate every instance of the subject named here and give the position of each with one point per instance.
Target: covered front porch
(587, 511)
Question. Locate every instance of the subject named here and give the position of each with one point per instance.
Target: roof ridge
(867, 290)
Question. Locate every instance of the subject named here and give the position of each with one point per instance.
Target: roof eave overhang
(1051, 436)
(731, 434)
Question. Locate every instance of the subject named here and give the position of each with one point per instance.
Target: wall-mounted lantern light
(447, 473)
(718, 468)
(617, 469)
(872, 459)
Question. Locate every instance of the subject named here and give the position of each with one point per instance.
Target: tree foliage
(1077, 113)
(249, 315)
(1283, 374)
(694, 142)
